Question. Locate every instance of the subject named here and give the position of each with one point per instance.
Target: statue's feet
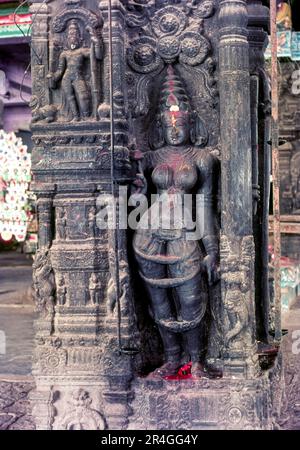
(168, 369)
(213, 372)
(198, 370)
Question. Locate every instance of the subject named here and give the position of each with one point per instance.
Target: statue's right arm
(61, 67)
(143, 162)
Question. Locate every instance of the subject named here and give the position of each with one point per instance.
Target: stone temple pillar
(99, 337)
(237, 246)
(71, 171)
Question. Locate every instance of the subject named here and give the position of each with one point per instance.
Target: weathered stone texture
(15, 407)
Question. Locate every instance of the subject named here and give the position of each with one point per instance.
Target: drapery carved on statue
(171, 255)
(78, 47)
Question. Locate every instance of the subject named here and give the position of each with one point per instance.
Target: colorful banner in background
(15, 25)
(288, 45)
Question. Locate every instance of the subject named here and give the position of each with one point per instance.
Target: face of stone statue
(176, 135)
(73, 39)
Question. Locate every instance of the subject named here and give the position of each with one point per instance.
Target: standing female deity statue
(176, 241)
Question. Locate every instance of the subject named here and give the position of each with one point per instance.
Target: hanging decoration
(15, 166)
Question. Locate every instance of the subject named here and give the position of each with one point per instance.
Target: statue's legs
(70, 99)
(192, 294)
(83, 98)
(162, 306)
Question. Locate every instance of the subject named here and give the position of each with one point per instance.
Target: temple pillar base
(226, 404)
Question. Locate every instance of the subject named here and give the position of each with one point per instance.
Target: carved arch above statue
(89, 18)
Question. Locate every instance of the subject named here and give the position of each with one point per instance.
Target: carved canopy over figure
(71, 72)
(178, 256)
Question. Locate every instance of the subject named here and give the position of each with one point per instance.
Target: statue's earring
(192, 130)
(156, 135)
(198, 131)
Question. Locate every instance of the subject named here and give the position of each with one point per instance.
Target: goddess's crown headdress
(73, 25)
(174, 103)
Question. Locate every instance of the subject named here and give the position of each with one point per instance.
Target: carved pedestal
(225, 404)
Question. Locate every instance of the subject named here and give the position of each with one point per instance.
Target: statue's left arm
(98, 48)
(97, 44)
(206, 211)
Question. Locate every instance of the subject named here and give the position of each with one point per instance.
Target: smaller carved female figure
(61, 222)
(61, 290)
(94, 288)
(71, 73)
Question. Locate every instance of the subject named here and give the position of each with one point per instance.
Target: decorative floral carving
(194, 48)
(142, 57)
(184, 405)
(169, 21)
(171, 39)
(51, 360)
(201, 9)
(235, 415)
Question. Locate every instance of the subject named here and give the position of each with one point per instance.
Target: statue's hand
(93, 36)
(94, 39)
(51, 81)
(141, 183)
(229, 335)
(210, 262)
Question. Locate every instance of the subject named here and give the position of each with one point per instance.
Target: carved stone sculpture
(44, 285)
(119, 303)
(168, 254)
(94, 288)
(76, 94)
(61, 290)
(61, 223)
(80, 415)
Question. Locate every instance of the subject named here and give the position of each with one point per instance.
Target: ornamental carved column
(237, 245)
(71, 171)
(258, 25)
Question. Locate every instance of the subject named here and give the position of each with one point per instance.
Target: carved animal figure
(47, 112)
